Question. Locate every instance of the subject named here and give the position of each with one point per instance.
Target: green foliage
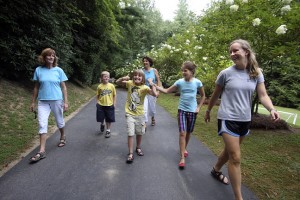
(30, 26)
(206, 41)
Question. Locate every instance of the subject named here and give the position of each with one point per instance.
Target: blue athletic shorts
(234, 128)
(106, 113)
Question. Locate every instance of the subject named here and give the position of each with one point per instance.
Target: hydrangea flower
(229, 2)
(286, 1)
(285, 9)
(185, 53)
(234, 8)
(204, 58)
(245, 1)
(281, 30)
(256, 22)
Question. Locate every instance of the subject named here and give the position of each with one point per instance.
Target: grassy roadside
(270, 159)
(18, 127)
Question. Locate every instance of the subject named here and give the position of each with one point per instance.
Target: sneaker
(107, 134)
(102, 127)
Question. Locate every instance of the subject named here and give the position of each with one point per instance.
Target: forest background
(90, 36)
(95, 35)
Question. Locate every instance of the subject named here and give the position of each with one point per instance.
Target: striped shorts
(186, 121)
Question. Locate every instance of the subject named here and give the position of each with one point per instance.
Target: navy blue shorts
(106, 113)
(234, 128)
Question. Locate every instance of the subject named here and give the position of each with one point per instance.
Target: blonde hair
(252, 65)
(105, 73)
(47, 52)
(141, 73)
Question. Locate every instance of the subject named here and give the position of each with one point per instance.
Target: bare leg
(232, 146)
(130, 144)
(187, 139)
(182, 145)
(62, 133)
(43, 138)
(108, 124)
(138, 141)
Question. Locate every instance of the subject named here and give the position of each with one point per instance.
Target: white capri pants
(149, 106)
(44, 109)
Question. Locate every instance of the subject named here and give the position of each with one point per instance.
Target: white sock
(108, 130)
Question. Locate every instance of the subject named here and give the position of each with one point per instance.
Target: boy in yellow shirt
(106, 101)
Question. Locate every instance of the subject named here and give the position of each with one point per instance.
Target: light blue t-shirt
(49, 80)
(149, 74)
(237, 93)
(188, 93)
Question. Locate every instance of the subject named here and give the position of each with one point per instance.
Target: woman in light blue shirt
(51, 92)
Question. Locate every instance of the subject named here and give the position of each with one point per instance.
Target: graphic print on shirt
(105, 92)
(135, 99)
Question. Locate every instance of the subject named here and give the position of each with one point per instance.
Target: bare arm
(266, 101)
(115, 99)
(171, 89)
(153, 91)
(202, 93)
(157, 78)
(122, 81)
(212, 101)
(34, 96)
(65, 94)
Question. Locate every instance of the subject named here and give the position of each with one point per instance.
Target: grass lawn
(290, 115)
(270, 159)
(18, 127)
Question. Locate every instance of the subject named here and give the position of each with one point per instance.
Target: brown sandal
(139, 151)
(130, 158)
(153, 122)
(62, 142)
(219, 176)
(38, 156)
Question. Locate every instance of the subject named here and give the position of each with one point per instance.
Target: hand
(207, 116)
(32, 106)
(275, 115)
(66, 106)
(150, 80)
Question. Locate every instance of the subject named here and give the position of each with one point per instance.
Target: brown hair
(149, 59)
(190, 66)
(252, 65)
(46, 52)
(141, 73)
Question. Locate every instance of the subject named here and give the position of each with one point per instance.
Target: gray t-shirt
(236, 97)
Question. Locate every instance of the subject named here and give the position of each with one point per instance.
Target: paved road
(93, 167)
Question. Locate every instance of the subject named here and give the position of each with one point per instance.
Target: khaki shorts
(135, 124)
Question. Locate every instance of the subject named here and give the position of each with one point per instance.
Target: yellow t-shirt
(106, 94)
(135, 98)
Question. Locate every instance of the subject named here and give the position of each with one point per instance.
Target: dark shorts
(106, 113)
(186, 121)
(234, 128)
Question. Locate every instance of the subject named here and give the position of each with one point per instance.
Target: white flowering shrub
(256, 22)
(281, 30)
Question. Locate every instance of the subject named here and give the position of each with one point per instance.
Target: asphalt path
(91, 166)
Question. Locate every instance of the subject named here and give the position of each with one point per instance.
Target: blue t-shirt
(149, 74)
(49, 80)
(188, 93)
